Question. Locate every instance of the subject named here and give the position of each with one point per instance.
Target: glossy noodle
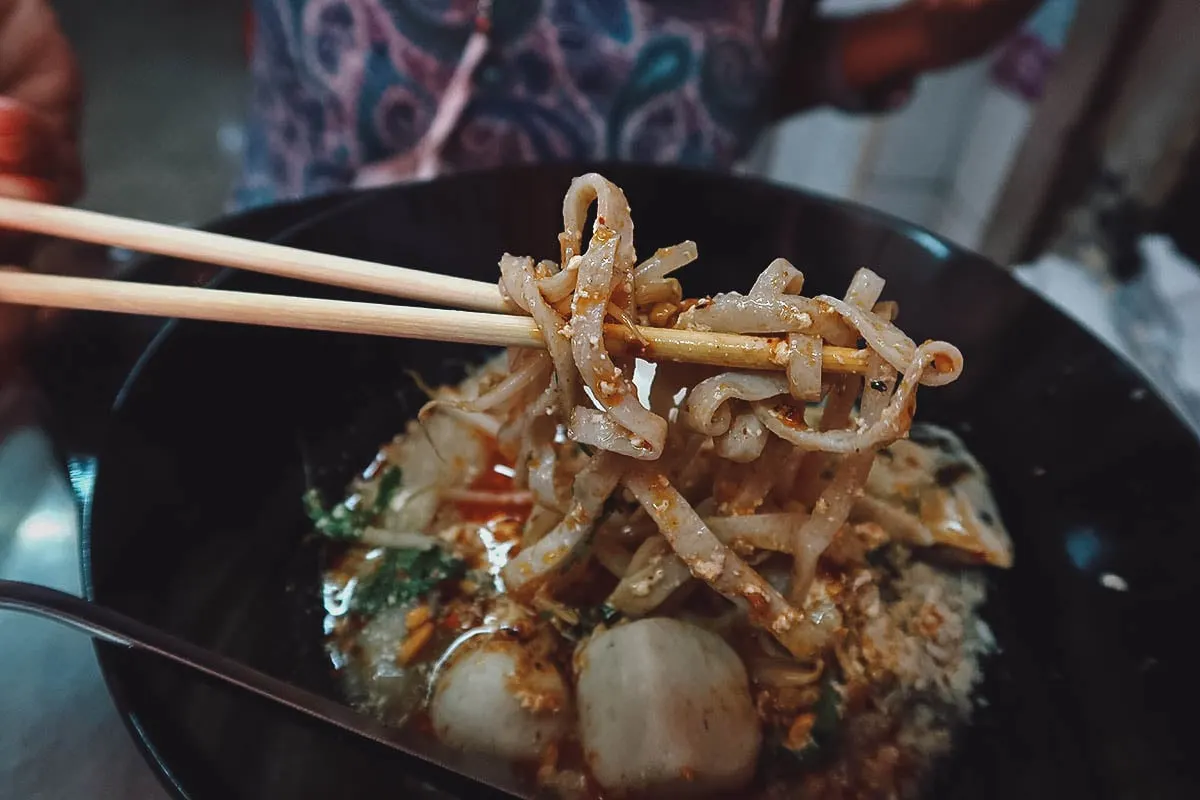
(673, 581)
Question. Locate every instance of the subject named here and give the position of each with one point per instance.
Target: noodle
(765, 522)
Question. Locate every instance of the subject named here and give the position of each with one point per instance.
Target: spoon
(449, 770)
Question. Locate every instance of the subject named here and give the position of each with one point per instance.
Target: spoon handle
(443, 769)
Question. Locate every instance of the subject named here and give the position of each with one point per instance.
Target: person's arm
(869, 62)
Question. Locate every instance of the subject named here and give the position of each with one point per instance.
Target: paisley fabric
(338, 84)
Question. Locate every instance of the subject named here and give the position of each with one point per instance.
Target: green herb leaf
(349, 518)
(389, 482)
(345, 520)
(827, 711)
(592, 616)
(403, 576)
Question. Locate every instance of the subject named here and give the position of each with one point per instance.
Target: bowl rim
(116, 678)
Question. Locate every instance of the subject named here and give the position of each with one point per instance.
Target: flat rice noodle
(778, 279)
(666, 290)
(544, 480)
(532, 430)
(731, 312)
(644, 434)
(745, 439)
(894, 346)
(759, 478)
(612, 212)
(399, 540)
(775, 532)
(887, 310)
(664, 261)
(691, 470)
(901, 527)
(892, 424)
(628, 530)
(839, 405)
(611, 554)
(830, 512)
(804, 367)
(597, 429)
(865, 289)
(528, 374)
(458, 494)
(653, 575)
(593, 486)
(541, 521)
(783, 673)
(484, 423)
(518, 282)
(711, 561)
(706, 409)
(833, 507)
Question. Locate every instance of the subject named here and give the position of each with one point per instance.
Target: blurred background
(1069, 151)
(1069, 154)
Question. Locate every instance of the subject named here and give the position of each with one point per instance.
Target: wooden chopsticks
(465, 326)
(230, 251)
(378, 319)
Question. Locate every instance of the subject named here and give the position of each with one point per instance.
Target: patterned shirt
(340, 84)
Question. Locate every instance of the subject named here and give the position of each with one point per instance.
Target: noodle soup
(677, 581)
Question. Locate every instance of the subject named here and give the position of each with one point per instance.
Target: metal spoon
(446, 769)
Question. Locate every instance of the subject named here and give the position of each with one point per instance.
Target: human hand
(40, 100)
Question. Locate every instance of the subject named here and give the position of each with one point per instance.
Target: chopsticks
(230, 251)
(463, 326)
(378, 319)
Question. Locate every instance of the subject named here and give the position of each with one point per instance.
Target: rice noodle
(747, 432)
(476, 496)
(612, 555)
(528, 375)
(612, 213)
(543, 478)
(534, 429)
(718, 566)
(664, 261)
(774, 532)
(745, 439)
(784, 673)
(652, 293)
(897, 349)
(804, 366)
(593, 485)
(484, 423)
(833, 506)
(647, 433)
(737, 313)
(778, 279)
(404, 540)
(653, 575)
(865, 289)
(755, 481)
(892, 424)
(517, 282)
(706, 409)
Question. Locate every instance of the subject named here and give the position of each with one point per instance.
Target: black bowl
(193, 521)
